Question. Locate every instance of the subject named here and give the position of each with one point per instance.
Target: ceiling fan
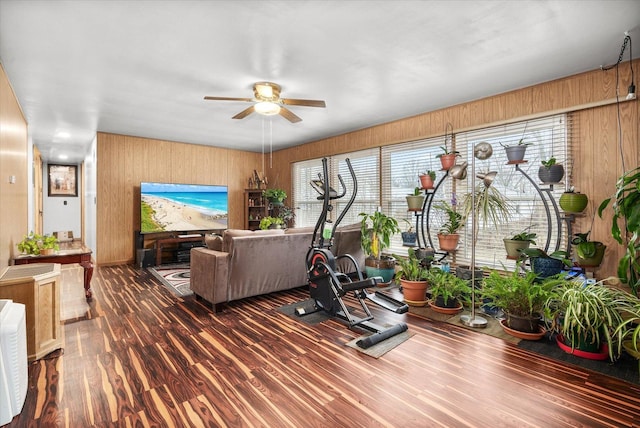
(267, 102)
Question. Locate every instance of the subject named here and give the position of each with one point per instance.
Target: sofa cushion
(229, 234)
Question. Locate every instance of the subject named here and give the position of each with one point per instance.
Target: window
(385, 176)
(366, 167)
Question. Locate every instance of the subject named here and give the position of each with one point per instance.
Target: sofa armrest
(210, 274)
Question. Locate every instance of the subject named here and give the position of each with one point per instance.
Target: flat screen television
(169, 207)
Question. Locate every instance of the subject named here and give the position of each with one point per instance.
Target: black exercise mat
(314, 318)
(625, 368)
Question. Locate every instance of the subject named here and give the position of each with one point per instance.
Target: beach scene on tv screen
(169, 207)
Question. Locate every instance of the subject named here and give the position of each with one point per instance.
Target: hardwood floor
(139, 356)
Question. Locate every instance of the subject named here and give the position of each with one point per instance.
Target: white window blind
(366, 167)
(401, 166)
(547, 137)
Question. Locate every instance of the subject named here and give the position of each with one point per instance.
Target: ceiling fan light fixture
(266, 108)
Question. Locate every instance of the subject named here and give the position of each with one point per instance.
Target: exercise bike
(327, 285)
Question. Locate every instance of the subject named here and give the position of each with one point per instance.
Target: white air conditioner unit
(14, 375)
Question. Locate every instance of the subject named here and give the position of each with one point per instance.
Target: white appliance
(14, 375)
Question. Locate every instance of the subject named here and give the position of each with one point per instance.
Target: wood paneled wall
(124, 161)
(596, 145)
(13, 162)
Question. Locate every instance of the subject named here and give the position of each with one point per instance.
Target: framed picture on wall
(63, 180)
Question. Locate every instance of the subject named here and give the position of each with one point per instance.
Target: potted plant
(447, 291)
(588, 253)
(447, 158)
(409, 237)
(550, 172)
(515, 153)
(412, 277)
(587, 315)
(377, 230)
(544, 264)
(488, 205)
(427, 179)
(572, 201)
(522, 299)
(448, 236)
(271, 223)
(415, 200)
(626, 208)
(37, 244)
(275, 196)
(519, 242)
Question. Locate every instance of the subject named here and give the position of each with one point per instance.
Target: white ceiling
(143, 67)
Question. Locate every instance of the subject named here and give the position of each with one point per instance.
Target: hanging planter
(573, 202)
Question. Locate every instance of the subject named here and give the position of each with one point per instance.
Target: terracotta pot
(426, 182)
(522, 335)
(447, 161)
(47, 251)
(414, 291)
(444, 310)
(448, 242)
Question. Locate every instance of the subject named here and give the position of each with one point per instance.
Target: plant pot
(464, 272)
(552, 174)
(573, 202)
(415, 202)
(515, 154)
(47, 251)
(546, 267)
(383, 267)
(414, 292)
(409, 239)
(513, 247)
(425, 181)
(539, 334)
(528, 324)
(447, 161)
(593, 353)
(594, 260)
(276, 202)
(453, 306)
(448, 242)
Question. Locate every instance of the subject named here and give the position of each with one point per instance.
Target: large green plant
(626, 209)
(454, 221)
(447, 285)
(592, 312)
(278, 195)
(486, 203)
(411, 268)
(518, 293)
(377, 230)
(34, 243)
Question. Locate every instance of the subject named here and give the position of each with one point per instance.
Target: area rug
(175, 278)
(379, 349)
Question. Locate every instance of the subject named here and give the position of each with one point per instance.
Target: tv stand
(197, 239)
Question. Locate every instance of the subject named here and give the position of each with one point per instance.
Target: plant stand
(422, 217)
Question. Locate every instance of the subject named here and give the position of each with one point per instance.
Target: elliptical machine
(327, 285)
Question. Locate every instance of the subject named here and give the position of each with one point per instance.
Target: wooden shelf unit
(255, 208)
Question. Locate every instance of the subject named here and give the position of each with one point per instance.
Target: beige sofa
(250, 263)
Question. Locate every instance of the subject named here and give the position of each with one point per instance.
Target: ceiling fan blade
(228, 99)
(307, 103)
(244, 113)
(289, 115)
